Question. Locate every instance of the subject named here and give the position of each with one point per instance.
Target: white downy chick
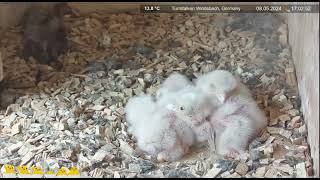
(191, 106)
(221, 84)
(237, 117)
(184, 138)
(218, 86)
(235, 122)
(173, 83)
(144, 125)
(186, 102)
(157, 130)
(230, 89)
(166, 136)
(138, 110)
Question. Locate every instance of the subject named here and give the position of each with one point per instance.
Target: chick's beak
(221, 97)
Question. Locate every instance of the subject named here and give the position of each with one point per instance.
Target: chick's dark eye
(181, 108)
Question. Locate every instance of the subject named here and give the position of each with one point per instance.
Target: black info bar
(225, 8)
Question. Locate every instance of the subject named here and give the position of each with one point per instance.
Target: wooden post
(1, 68)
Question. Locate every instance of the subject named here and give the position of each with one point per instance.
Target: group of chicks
(216, 109)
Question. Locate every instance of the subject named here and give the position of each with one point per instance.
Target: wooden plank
(304, 40)
(1, 68)
(108, 7)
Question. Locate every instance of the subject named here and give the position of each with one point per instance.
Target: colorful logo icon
(9, 171)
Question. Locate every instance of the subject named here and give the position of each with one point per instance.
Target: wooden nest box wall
(303, 38)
